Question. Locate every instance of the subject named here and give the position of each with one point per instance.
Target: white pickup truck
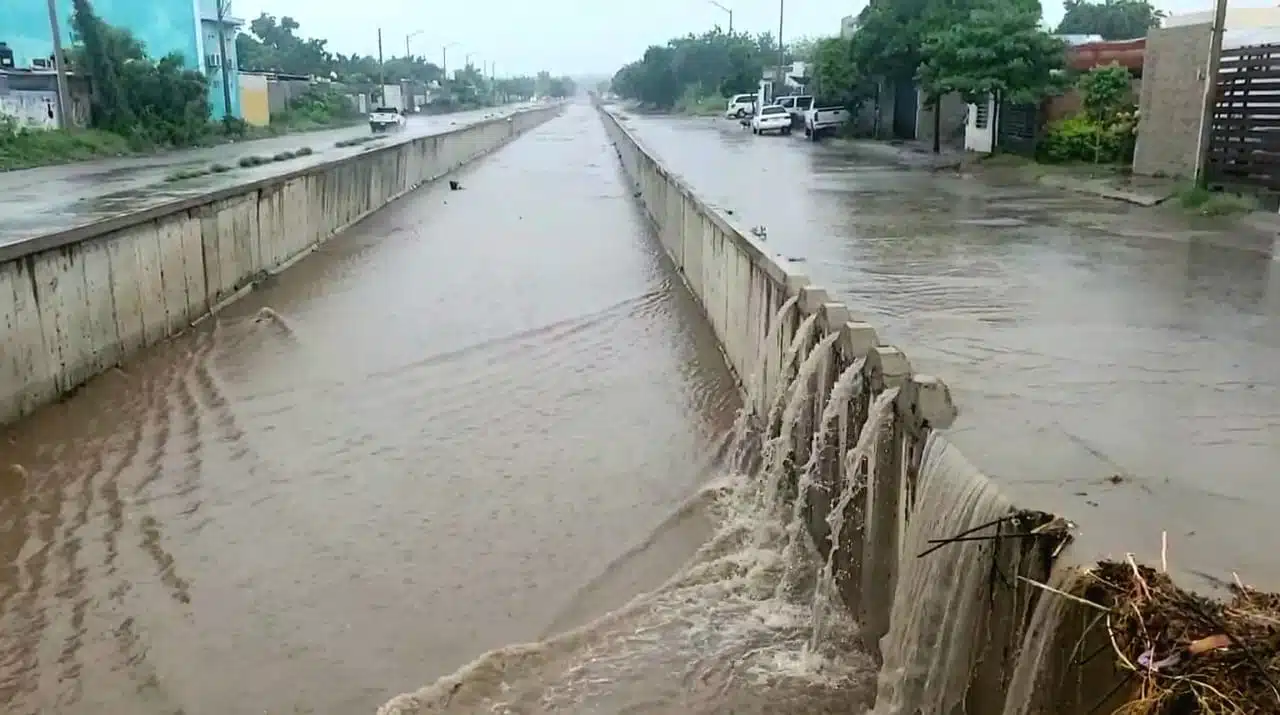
(385, 119)
(823, 120)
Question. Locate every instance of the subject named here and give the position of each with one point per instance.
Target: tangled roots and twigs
(1188, 654)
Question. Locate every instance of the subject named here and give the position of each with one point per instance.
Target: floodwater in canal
(1117, 365)
(481, 417)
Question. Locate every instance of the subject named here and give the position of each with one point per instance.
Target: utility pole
(1210, 92)
(382, 73)
(781, 80)
(726, 9)
(223, 7)
(60, 69)
(408, 55)
(444, 62)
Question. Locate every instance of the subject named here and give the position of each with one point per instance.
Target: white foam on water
(720, 636)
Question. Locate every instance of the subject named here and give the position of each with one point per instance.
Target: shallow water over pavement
(476, 418)
(34, 202)
(1119, 365)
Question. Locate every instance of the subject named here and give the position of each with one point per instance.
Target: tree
(713, 63)
(998, 51)
(836, 80)
(1112, 19)
(148, 102)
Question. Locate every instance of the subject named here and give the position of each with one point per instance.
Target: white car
(771, 119)
(385, 119)
(740, 106)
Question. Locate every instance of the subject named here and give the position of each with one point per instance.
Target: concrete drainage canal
(508, 449)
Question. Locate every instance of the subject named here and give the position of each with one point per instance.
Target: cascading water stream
(826, 592)
(847, 385)
(783, 414)
(740, 439)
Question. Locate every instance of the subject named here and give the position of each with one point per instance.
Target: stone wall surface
(75, 303)
(963, 626)
(1170, 101)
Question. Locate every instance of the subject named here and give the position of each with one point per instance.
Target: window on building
(982, 114)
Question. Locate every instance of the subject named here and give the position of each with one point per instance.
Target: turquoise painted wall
(163, 26)
(210, 30)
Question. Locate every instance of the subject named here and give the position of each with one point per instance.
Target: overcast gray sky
(564, 36)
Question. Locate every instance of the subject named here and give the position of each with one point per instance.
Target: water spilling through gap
(732, 631)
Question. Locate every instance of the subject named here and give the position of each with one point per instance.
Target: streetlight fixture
(444, 59)
(60, 70)
(726, 9)
(407, 54)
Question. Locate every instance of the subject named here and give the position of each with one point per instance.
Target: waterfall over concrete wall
(950, 581)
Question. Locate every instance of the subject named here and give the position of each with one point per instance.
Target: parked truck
(821, 121)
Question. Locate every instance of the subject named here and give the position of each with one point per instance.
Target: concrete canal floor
(54, 198)
(1116, 364)
(452, 420)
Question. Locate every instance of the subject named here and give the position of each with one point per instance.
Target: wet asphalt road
(453, 419)
(38, 201)
(1083, 339)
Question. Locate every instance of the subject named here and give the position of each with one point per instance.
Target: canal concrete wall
(958, 626)
(77, 302)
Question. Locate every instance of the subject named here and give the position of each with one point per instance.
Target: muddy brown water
(1118, 365)
(436, 436)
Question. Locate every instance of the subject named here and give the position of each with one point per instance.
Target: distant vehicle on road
(771, 119)
(740, 106)
(383, 119)
(821, 121)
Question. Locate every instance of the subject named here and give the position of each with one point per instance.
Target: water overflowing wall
(75, 303)
(948, 579)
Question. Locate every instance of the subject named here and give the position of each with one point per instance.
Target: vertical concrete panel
(126, 293)
(193, 268)
(26, 371)
(100, 317)
(151, 295)
(173, 270)
(209, 252)
(53, 278)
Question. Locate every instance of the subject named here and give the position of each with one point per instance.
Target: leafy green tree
(147, 102)
(997, 51)
(836, 79)
(273, 46)
(562, 87)
(712, 63)
(1112, 19)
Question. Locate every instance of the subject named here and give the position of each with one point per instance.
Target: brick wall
(1170, 101)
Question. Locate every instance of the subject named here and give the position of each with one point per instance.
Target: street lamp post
(444, 59)
(407, 54)
(60, 69)
(224, 7)
(726, 9)
(781, 82)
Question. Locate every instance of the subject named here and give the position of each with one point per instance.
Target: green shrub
(283, 156)
(1215, 203)
(1081, 138)
(21, 147)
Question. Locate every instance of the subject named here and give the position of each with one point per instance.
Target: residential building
(848, 26)
(187, 27)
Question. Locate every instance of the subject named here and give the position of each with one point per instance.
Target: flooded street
(478, 418)
(1118, 365)
(43, 200)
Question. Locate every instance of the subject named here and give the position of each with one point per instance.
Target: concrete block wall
(1169, 103)
(952, 636)
(76, 303)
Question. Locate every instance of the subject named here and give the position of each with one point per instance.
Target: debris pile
(1185, 654)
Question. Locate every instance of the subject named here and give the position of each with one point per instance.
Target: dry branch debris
(1188, 654)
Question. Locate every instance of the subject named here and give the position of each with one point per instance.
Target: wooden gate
(1244, 136)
